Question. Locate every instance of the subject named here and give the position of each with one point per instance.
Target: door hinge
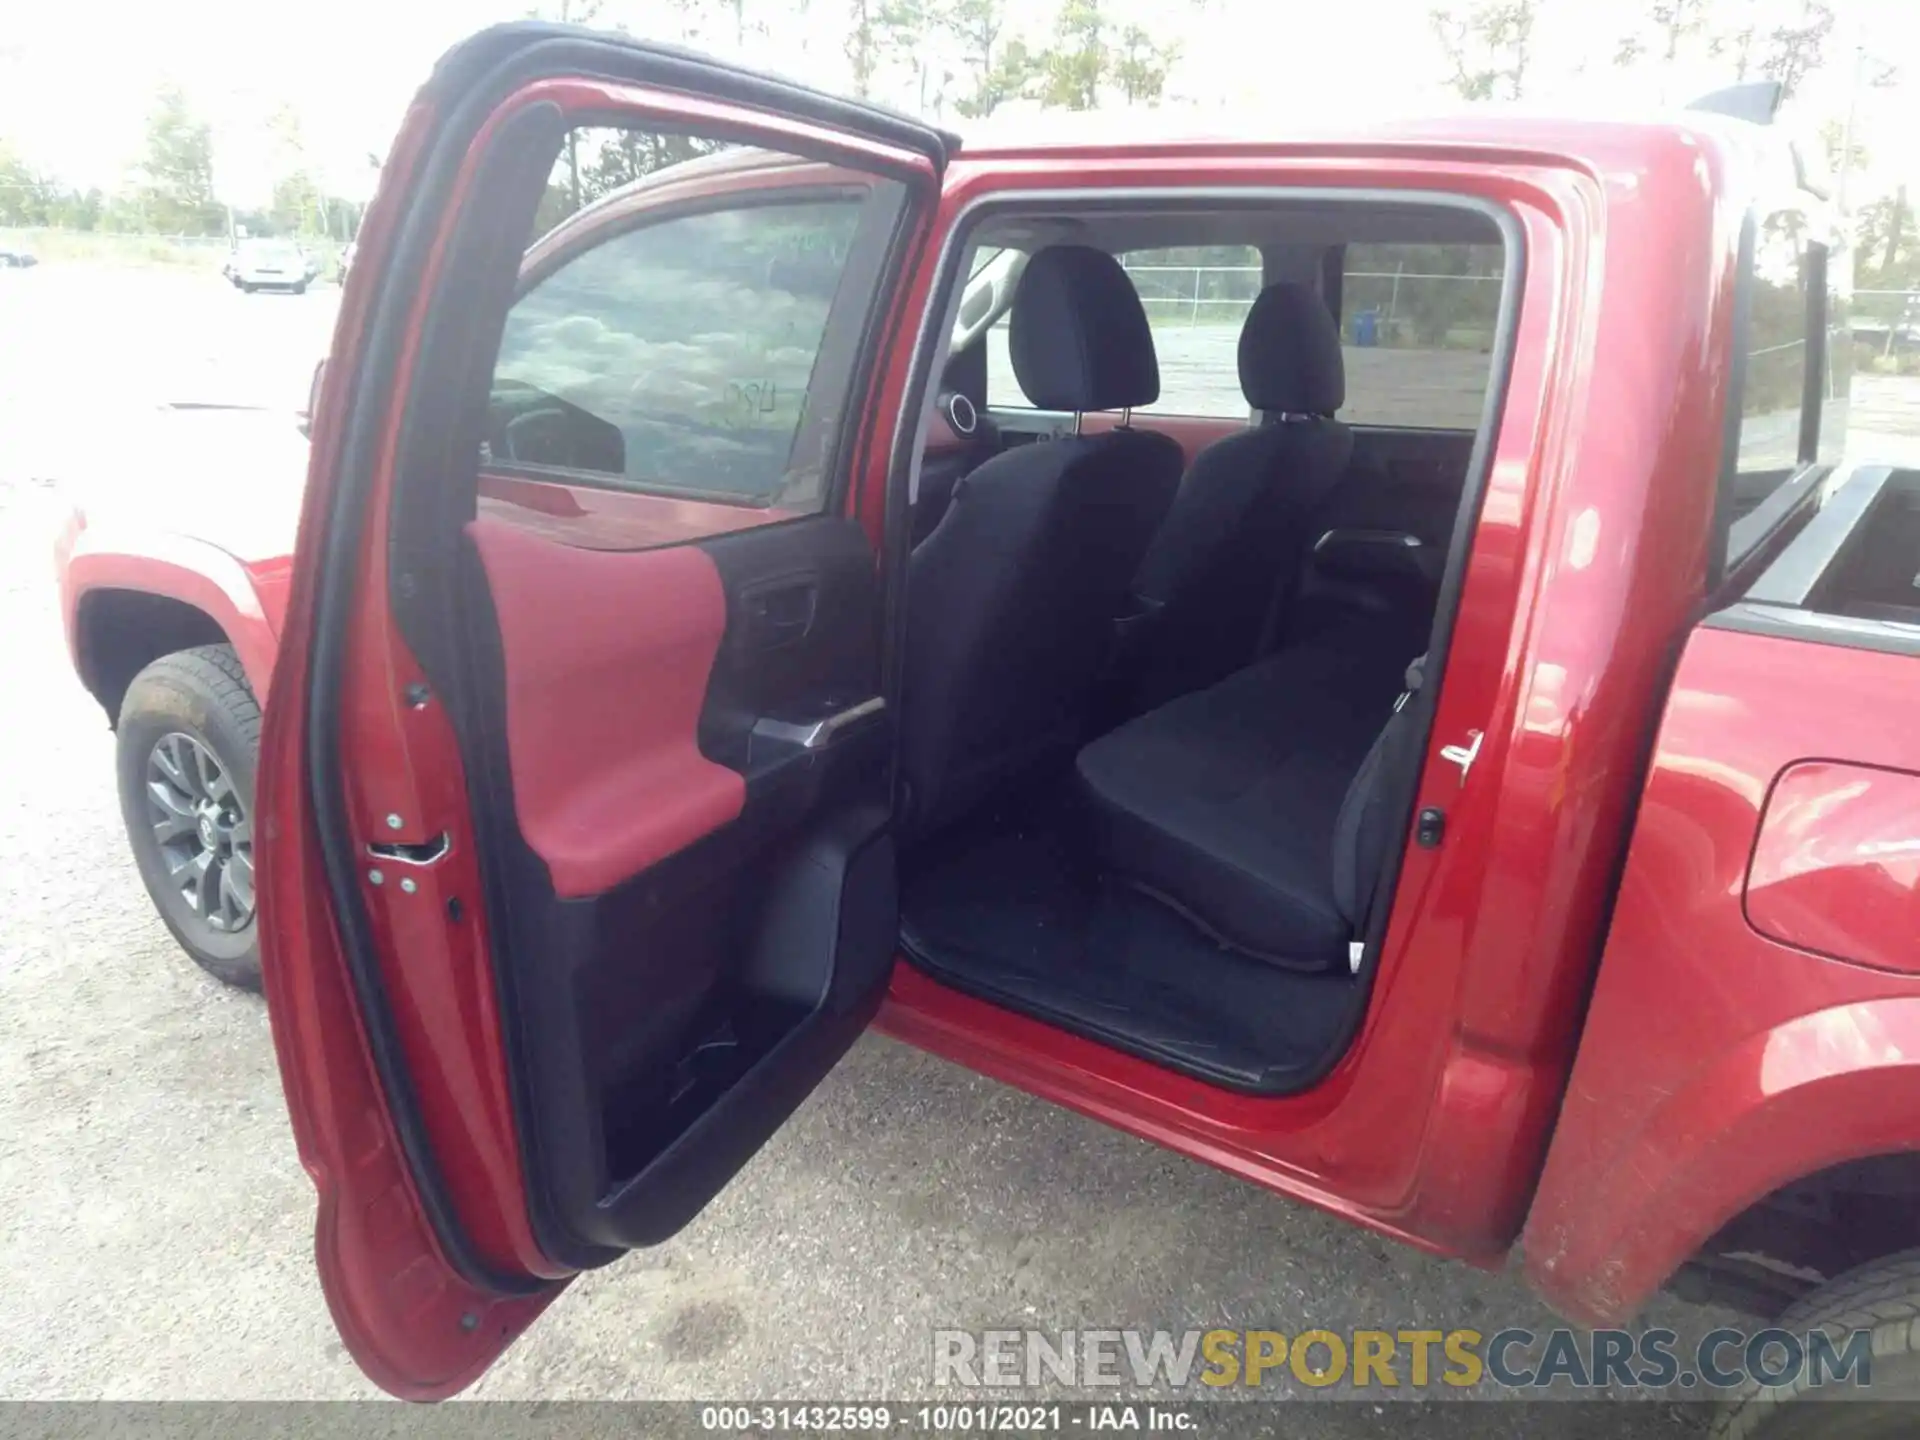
(1464, 755)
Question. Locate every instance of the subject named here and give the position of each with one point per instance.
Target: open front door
(576, 872)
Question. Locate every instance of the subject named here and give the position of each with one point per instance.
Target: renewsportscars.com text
(1512, 1359)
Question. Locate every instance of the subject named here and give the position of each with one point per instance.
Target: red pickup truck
(1466, 783)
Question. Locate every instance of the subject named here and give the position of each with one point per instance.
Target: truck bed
(1852, 575)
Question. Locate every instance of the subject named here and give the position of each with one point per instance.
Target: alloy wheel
(204, 834)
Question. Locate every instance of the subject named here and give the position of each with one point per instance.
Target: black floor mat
(1006, 909)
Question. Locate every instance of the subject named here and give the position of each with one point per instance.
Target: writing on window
(679, 356)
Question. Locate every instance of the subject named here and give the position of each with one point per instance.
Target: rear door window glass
(704, 354)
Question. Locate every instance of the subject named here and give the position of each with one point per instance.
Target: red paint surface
(245, 601)
(1583, 573)
(1585, 569)
(607, 657)
(1719, 1064)
(1837, 866)
(412, 1322)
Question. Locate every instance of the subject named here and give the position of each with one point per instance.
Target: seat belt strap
(1362, 926)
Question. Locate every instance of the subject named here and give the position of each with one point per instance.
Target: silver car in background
(270, 264)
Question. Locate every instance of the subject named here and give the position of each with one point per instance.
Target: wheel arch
(1807, 1233)
(1794, 1107)
(129, 610)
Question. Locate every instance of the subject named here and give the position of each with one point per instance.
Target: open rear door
(576, 873)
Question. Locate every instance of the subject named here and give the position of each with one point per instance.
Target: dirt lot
(157, 1229)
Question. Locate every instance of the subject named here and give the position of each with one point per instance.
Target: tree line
(1488, 45)
(966, 58)
(171, 190)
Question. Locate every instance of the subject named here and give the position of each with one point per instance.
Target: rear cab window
(1196, 298)
(1418, 324)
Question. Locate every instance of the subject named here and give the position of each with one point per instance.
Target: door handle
(780, 613)
(1463, 755)
(819, 734)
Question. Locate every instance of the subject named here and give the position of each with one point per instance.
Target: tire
(301, 288)
(181, 708)
(245, 288)
(1883, 1297)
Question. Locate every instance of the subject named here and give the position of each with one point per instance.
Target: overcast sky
(349, 66)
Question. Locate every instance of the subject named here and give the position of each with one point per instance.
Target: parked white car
(267, 264)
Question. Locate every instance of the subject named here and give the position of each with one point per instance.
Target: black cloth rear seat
(1234, 803)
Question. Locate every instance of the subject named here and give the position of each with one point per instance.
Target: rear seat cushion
(1224, 802)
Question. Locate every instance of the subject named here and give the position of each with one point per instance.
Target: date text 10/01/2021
(948, 1419)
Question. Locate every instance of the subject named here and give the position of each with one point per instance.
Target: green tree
(1140, 68)
(1796, 49)
(1887, 244)
(25, 194)
(299, 206)
(1842, 154)
(1735, 41)
(863, 43)
(976, 27)
(76, 209)
(1073, 69)
(1488, 46)
(598, 160)
(1088, 59)
(173, 183)
(1668, 27)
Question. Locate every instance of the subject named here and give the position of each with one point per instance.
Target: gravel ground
(154, 1223)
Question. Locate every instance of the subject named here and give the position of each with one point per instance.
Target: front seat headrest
(1078, 335)
(1290, 359)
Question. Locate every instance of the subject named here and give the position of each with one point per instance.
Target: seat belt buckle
(1356, 953)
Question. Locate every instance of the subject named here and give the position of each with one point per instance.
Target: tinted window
(684, 355)
(1196, 301)
(1419, 322)
(1196, 298)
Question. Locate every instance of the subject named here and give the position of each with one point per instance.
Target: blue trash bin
(1366, 328)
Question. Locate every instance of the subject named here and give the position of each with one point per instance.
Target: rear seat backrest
(1239, 527)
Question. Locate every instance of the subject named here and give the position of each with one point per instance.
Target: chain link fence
(1398, 308)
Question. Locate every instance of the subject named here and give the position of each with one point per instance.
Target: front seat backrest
(1011, 600)
(1241, 525)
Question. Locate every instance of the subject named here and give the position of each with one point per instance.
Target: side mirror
(313, 397)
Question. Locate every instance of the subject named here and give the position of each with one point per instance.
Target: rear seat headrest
(1078, 335)
(1290, 357)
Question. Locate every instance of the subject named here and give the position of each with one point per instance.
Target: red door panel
(569, 895)
(606, 656)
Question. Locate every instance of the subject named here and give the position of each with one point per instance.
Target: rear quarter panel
(1717, 1063)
